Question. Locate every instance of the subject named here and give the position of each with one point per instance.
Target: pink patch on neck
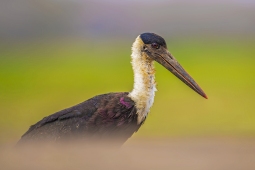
(124, 103)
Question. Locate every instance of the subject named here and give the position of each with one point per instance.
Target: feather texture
(106, 116)
(144, 80)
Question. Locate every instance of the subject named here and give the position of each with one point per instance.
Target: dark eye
(155, 45)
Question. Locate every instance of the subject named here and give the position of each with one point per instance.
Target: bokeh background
(55, 54)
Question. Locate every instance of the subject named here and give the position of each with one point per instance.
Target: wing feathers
(112, 114)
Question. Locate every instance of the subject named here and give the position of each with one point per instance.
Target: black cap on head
(149, 38)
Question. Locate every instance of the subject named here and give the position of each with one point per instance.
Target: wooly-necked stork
(114, 115)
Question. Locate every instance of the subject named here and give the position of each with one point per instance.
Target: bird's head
(155, 48)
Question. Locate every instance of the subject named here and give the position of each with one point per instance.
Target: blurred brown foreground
(176, 153)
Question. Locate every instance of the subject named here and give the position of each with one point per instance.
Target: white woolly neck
(144, 80)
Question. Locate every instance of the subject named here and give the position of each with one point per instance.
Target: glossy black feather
(106, 116)
(149, 38)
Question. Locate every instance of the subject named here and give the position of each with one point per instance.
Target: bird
(114, 115)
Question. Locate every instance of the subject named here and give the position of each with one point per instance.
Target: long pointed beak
(170, 63)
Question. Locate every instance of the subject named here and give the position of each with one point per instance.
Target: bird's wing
(86, 108)
(113, 112)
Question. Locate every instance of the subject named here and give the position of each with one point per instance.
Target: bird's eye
(155, 45)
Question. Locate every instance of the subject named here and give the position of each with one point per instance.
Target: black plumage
(149, 38)
(107, 116)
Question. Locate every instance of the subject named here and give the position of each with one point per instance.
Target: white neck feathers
(144, 80)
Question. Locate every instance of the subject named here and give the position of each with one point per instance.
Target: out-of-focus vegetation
(40, 78)
(56, 54)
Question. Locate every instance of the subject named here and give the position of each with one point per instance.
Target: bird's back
(106, 116)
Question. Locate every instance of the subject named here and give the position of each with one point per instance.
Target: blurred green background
(56, 54)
